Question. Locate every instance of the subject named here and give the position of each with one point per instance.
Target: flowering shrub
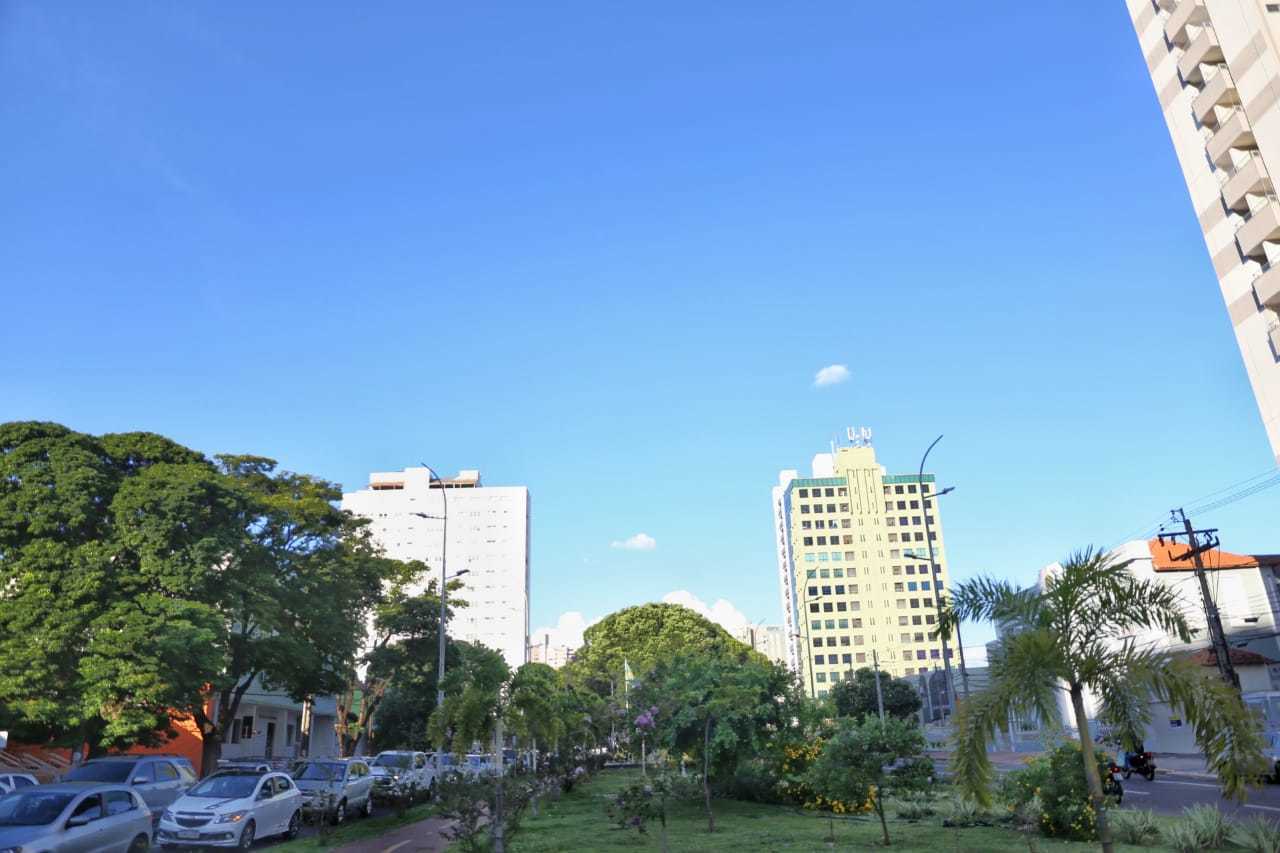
(1058, 780)
(633, 807)
(796, 761)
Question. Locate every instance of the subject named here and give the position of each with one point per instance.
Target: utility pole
(1217, 636)
(875, 661)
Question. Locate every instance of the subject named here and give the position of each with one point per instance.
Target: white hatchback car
(232, 808)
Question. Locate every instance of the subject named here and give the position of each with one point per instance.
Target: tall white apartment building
(1216, 71)
(488, 529)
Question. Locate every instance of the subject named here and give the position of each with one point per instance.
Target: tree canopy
(857, 698)
(645, 635)
(139, 574)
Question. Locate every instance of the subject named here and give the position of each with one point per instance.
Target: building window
(897, 490)
(804, 509)
(246, 727)
(842, 492)
(813, 590)
(818, 659)
(844, 623)
(808, 540)
(822, 676)
(857, 623)
(831, 493)
(806, 525)
(844, 641)
(906, 638)
(915, 620)
(861, 657)
(813, 608)
(804, 493)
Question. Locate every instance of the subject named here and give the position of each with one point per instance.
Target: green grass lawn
(577, 822)
(355, 829)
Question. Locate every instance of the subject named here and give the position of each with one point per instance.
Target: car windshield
(226, 786)
(32, 808)
(392, 759)
(318, 771)
(101, 771)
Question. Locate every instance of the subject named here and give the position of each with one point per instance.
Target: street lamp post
(444, 550)
(807, 658)
(937, 592)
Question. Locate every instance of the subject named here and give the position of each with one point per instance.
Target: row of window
(829, 492)
(832, 624)
(889, 506)
(817, 509)
(853, 572)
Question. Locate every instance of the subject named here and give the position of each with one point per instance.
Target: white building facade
(1215, 68)
(488, 538)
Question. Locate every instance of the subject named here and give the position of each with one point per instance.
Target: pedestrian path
(425, 836)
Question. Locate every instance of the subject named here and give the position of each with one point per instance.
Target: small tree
(857, 698)
(715, 709)
(868, 759)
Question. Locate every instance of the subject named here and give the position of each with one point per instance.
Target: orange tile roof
(1239, 657)
(1164, 558)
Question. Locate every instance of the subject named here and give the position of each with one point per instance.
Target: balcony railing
(1261, 225)
(1266, 287)
(1186, 14)
(1219, 90)
(1233, 132)
(1203, 50)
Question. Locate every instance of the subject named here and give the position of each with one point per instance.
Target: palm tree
(1076, 634)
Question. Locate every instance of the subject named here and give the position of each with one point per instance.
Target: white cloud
(567, 632)
(639, 542)
(832, 374)
(722, 612)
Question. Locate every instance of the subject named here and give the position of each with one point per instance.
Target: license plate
(188, 833)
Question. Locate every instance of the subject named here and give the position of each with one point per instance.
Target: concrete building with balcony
(853, 569)
(1216, 71)
(488, 538)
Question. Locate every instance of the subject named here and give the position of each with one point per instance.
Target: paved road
(1170, 793)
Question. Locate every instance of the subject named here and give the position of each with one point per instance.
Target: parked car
(260, 766)
(10, 782)
(231, 808)
(159, 779)
(398, 773)
(337, 787)
(75, 817)
(477, 764)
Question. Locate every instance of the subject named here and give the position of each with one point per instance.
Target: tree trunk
(498, 821)
(884, 827)
(706, 775)
(1091, 769)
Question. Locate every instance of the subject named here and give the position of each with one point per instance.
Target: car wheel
(295, 826)
(1127, 773)
(246, 836)
(140, 844)
(340, 813)
(1151, 775)
(367, 811)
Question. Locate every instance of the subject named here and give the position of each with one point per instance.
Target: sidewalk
(1178, 764)
(425, 836)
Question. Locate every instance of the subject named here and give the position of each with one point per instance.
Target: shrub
(1135, 826)
(633, 807)
(913, 806)
(1019, 787)
(754, 782)
(960, 811)
(1059, 782)
(1181, 836)
(1258, 835)
(1208, 824)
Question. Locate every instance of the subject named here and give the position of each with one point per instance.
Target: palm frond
(986, 599)
(1024, 675)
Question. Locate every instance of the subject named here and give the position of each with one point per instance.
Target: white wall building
(488, 529)
(768, 640)
(554, 656)
(1214, 67)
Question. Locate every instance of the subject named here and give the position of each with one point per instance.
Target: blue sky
(602, 249)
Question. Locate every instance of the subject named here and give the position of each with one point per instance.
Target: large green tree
(640, 637)
(857, 698)
(140, 578)
(1074, 635)
(101, 540)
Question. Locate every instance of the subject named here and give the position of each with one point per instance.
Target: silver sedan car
(74, 817)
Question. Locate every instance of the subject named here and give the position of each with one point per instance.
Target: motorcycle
(1111, 786)
(1142, 763)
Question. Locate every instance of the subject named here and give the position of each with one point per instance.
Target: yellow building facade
(853, 567)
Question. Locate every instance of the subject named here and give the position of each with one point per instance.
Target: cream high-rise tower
(850, 585)
(1216, 71)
